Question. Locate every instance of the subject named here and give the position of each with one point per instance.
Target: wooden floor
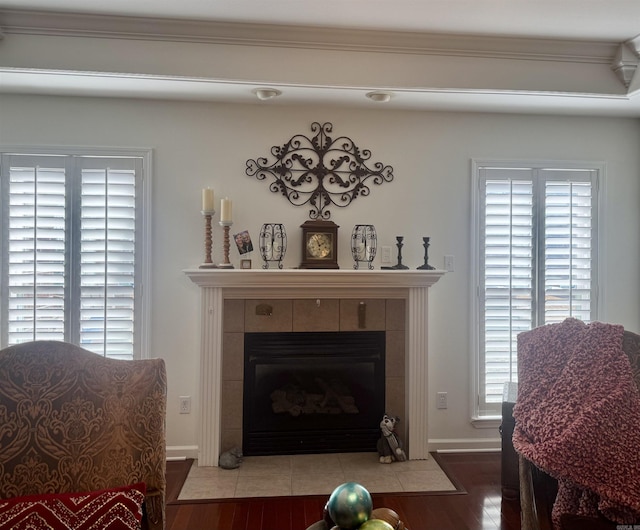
(479, 507)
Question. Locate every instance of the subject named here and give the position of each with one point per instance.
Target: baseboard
(441, 445)
(181, 452)
(464, 445)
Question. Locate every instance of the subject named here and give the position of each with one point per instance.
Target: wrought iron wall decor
(320, 171)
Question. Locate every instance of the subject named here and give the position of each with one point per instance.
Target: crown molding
(625, 62)
(220, 32)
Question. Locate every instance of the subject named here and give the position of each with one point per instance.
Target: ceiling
(593, 21)
(616, 20)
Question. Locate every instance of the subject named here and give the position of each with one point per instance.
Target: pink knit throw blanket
(578, 417)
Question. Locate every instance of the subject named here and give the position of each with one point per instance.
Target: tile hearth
(317, 474)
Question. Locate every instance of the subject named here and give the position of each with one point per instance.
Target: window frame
(143, 225)
(491, 419)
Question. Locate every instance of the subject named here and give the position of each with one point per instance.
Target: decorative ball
(387, 515)
(375, 524)
(350, 505)
(326, 517)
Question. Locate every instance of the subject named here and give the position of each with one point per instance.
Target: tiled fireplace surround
(310, 300)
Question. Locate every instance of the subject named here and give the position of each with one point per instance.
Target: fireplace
(228, 310)
(313, 392)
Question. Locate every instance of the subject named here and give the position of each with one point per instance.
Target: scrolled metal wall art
(320, 171)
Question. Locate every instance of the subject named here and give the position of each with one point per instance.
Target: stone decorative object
(231, 459)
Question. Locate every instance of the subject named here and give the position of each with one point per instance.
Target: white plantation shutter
(568, 245)
(537, 246)
(107, 257)
(36, 236)
(507, 262)
(72, 263)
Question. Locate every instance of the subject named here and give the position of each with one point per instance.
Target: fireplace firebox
(313, 392)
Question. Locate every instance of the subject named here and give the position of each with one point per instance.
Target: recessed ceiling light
(379, 97)
(266, 93)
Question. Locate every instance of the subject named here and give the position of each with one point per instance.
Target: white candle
(207, 200)
(225, 210)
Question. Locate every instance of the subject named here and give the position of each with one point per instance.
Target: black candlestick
(426, 265)
(399, 265)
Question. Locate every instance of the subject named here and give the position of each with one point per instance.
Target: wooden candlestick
(226, 265)
(208, 240)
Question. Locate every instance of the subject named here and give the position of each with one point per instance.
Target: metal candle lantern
(364, 244)
(273, 243)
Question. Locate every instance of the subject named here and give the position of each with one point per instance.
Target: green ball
(350, 505)
(375, 524)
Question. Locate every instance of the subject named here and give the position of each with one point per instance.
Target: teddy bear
(389, 445)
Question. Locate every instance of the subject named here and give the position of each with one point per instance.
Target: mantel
(220, 284)
(312, 283)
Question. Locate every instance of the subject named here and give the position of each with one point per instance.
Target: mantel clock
(319, 245)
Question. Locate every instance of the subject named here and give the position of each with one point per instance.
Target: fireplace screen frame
(360, 353)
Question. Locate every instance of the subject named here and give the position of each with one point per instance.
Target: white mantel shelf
(220, 284)
(311, 283)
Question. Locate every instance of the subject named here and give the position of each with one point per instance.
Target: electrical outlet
(448, 263)
(386, 254)
(185, 404)
(441, 400)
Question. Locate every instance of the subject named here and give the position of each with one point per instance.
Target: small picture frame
(245, 263)
(243, 242)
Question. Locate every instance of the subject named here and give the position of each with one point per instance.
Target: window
(536, 251)
(72, 252)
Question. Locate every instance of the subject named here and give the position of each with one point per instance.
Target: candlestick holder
(226, 264)
(426, 265)
(208, 240)
(399, 265)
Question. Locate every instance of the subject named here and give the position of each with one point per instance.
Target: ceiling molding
(216, 32)
(100, 84)
(145, 59)
(625, 63)
(634, 44)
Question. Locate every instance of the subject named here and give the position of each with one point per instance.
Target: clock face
(319, 245)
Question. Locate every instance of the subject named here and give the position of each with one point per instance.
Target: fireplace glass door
(313, 392)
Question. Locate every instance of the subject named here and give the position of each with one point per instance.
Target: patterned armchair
(73, 421)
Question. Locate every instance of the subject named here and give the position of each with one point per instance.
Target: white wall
(200, 144)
